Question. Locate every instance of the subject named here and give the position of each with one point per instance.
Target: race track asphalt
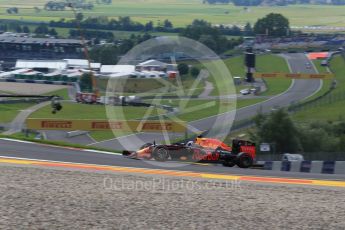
(299, 90)
(50, 153)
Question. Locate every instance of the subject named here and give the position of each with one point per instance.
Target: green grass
(247, 102)
(328, 110)
(265, 63)
(22, 136)
(273, 63)
(106, 135)
(202, 111)
(222, 85)
(326, 84)
(9, 111)
(64, 32)
(83, 111)
(152, 87)
(102, 135)
(220, 79)
(235, 65)
(237, 69)
(331, 111)
(182, 12)
(61, 92)
(337, 67)
(196, 109)
(19, 136)
(319, 67)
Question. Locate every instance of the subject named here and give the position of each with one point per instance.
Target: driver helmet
(189, 143)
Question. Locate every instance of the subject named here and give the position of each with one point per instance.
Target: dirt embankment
(27, 88)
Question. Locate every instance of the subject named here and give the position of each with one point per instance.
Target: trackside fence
(325, 99)
(308, 156)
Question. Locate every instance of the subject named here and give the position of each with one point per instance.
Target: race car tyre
(145, 146)
(228, 164)
(244, 160)
(160, 154)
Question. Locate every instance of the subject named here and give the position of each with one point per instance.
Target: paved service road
(18, 123)
(42, 152)
(299, 90)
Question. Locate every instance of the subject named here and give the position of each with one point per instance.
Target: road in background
(19, 121)
(299, 90)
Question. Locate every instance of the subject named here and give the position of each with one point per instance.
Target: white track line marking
(63, 147)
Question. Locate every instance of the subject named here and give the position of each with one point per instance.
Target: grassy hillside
(182, 12)
(332, 107)
(273, 63)
(265, 63)
(152, 87)
(9, 111)
(83, 111)
(193, 110)
(196, 109)
(326, 84)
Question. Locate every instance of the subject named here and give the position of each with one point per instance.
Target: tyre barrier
(326, 167)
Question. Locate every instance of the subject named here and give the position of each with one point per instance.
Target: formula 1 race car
(205, 150)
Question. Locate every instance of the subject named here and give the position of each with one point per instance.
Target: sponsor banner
(101, 125)
(294, 75)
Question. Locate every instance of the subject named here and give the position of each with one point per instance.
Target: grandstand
(302, 41)
(20, 46)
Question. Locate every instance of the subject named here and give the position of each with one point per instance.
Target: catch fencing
(328, 98)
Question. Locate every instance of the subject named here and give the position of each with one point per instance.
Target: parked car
(245, 91)
(292, 157)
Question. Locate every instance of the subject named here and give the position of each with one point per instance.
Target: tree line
(109, 54)
(122, 24)
(280, 131)
(40, 30)
(93, 34)
(199, 30)
(127, 24)
(12, 10)
(213, 37)
(275, 25)
(62, 5)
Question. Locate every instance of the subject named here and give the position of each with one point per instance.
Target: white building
(117, 69)
(82, 64)
(42, 65)
(151, 65)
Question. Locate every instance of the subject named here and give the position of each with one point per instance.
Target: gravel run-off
(48, 198)
(29, 88)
